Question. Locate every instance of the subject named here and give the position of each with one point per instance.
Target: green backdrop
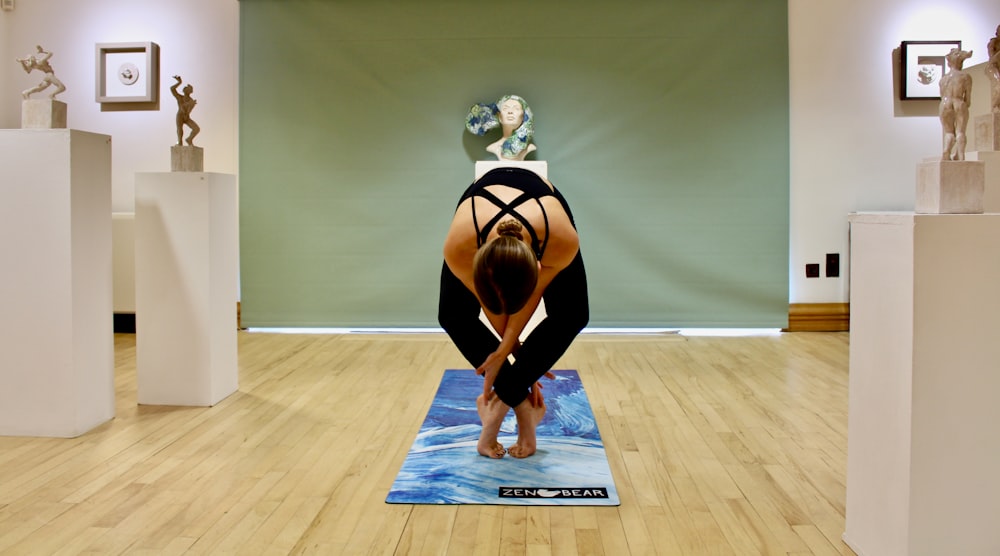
(664, 123)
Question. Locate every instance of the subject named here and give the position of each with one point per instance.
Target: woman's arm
(560, 252)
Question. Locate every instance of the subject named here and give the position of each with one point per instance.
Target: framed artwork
(922, 65)
(128, 72)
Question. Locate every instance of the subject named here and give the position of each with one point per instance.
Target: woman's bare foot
(528, 417)
(491, 413)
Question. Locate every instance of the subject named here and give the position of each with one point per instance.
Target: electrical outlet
(8, 5)
(812, 270)
(832, 265)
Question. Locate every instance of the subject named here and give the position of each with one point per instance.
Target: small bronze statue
(185, 104)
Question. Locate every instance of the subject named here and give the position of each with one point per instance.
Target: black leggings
(567, 312)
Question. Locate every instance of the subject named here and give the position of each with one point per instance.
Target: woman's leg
(458, 314)
(567, 312)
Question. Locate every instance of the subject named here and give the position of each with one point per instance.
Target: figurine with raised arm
(185, 104)
(956, 95)
(993, 71)
(40, 62)
(516, 123)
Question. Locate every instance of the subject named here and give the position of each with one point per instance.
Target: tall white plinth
(923, 443)
(56, 332)
(185, 287)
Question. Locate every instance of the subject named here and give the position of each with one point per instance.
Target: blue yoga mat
(569, 468)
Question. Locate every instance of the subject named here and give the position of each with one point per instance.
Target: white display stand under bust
(56, 332)
(923, 444)
(185, 287)
(540, 167)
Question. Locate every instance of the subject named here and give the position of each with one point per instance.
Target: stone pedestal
(991, 187)
(950, 187)
(56, 334)
(184, 158)
(987, 130)
(185, 287)
(43, 114)
(922, 449)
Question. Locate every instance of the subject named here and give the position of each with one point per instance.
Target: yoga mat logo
(524, 492)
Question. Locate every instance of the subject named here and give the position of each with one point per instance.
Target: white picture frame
(128, 72)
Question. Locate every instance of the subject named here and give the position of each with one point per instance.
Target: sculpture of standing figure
(185, 104)
(516, 122)
(993, 71)
(956, 95)
(40, 62)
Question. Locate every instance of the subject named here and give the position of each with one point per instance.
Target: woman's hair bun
(509, 228)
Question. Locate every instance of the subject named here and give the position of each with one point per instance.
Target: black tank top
(532, 188)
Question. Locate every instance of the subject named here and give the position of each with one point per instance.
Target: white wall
(854, 146)
(198, 40)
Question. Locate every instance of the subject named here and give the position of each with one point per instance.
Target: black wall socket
(832, 265)
(812, 270)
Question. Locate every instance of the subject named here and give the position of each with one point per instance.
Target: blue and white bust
(516, 122)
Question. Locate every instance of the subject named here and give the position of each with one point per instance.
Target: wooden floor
(717, 446)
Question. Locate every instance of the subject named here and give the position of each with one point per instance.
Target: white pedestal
(540, 167)
(991, 177)
(56, 339)
(987, 132)
(185, 287)
(923, 442)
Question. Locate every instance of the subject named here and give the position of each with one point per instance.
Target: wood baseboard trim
(819, 317)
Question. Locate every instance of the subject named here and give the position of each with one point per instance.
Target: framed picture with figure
(922, 64)
(128, 72)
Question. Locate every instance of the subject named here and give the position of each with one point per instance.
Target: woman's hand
(489, 370)
(535, 392)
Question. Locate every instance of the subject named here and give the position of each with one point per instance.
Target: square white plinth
(56, 332)
(950, 187)
(991, 178)
(540, 167)
(43, 114)
(185, 158)
(987, 132)
(185, 287)
(923, 447)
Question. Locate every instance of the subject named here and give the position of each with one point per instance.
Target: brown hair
(505, 271)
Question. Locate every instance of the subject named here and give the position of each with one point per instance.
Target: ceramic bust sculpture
(40, 62)
(185, 104)
(516, 123)
(993, 71)
(956, 93)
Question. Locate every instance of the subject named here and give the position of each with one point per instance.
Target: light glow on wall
(934, 21)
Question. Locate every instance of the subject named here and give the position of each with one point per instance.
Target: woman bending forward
(512, 243)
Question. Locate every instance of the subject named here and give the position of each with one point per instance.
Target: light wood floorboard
(718, 446)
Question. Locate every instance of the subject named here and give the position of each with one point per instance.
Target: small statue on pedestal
(993, 71)
(516, 122)
(40, 62)
(185, 104)
(956, 93)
